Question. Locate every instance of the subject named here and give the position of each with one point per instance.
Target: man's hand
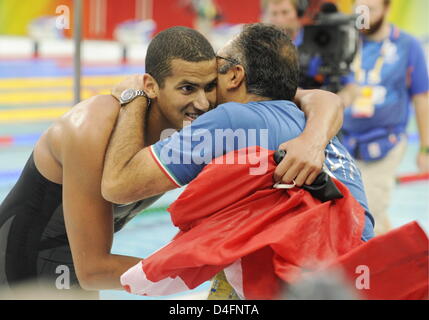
(132, 82)
(423, 162)
(305, 154)
(303, 161)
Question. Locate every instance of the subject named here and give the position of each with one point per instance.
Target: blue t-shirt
(403, 75)
(267, 124)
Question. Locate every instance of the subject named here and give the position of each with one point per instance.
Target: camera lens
(322, 38)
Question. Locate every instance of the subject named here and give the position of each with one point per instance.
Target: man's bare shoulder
(93, 114)
(87, 125)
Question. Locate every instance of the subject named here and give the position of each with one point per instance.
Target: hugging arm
(306, 153)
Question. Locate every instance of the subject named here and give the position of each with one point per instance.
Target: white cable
(279, 185)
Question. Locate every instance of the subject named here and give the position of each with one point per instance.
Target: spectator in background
(285, 14)
(391, 72)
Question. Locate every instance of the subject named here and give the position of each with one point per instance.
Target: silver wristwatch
(129, 95)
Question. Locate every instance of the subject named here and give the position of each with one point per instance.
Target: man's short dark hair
(270, 61)
(176, 43)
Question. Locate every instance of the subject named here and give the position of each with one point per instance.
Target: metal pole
(77, 38)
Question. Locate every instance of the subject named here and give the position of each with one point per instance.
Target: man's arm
(130, 173)
(418, 81)
(421, 104)
(306, 153)
(349, 94)
(88, 217)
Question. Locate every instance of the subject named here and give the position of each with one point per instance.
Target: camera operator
(286, 14)
(391, 72)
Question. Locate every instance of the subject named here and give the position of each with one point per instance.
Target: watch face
(127, 95)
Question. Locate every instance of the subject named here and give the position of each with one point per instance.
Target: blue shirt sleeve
(184, 155)
(419, 79)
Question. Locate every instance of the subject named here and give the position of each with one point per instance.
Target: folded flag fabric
(262, 237)
(393, 266)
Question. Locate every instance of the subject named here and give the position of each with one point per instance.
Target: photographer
(286, 14)
(391, 72)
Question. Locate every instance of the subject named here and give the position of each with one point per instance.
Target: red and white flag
(262, 237)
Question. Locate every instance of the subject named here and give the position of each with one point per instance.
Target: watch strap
(135, 94)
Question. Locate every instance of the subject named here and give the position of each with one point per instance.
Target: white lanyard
(373, 77)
